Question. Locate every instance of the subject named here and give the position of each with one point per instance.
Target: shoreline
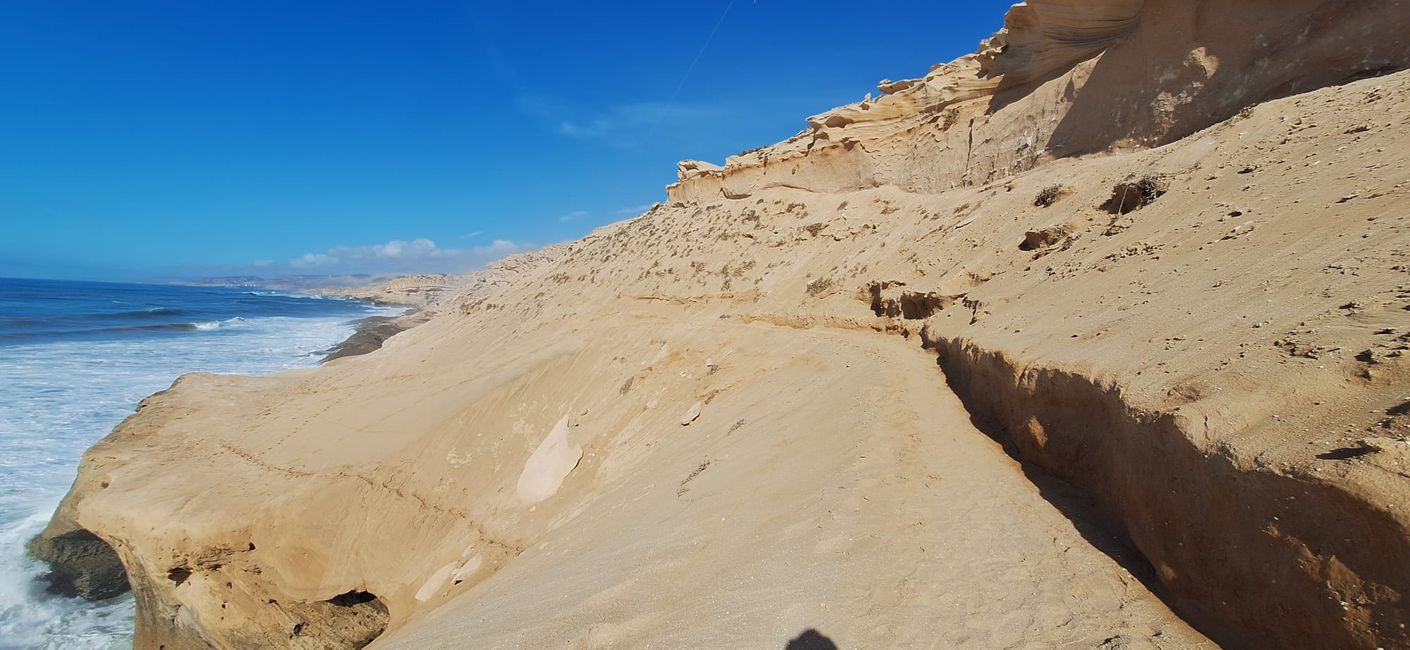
(372, 332)
(275, 333)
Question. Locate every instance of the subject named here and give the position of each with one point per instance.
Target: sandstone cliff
(433, 291)
(1098, 337)
(422, 290)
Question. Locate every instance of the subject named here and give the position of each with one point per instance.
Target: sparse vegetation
(821, 286)
(950, 118)
(699, 469)
(1135, 193)
(1048, 196)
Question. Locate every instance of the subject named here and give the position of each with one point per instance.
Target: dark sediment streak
(372, 332)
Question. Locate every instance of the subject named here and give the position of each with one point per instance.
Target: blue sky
(148, 139)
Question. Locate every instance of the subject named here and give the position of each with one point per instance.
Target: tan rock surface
(422, 290)
(1215, 372)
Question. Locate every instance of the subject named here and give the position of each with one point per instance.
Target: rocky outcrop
(1170, 400)
(1067, 78)
(1044, 37)
(81, 564)
(430, 293)
(372, 332)
(422, 290)
(435, 291)
(481, 285)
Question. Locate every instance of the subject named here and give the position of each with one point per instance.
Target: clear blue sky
(190, 137)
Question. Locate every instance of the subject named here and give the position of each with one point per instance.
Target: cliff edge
(1098, 337)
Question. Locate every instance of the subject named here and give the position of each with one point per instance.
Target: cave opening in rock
(178, 575)
(352, 598)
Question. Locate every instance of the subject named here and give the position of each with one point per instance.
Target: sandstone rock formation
(429, 294)
(435, 291)
(1162, 70)
(422, 290)
(926, 405)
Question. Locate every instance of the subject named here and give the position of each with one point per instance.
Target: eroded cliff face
(1068, 78)
(897, 391)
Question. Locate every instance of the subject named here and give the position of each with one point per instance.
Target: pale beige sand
(835, 484)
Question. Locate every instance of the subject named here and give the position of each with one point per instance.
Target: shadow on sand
(810, 639)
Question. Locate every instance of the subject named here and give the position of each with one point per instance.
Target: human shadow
(810, 639)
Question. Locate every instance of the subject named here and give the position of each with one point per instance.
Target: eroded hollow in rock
(80, 565)
(909, 305)
(352, 598)
(1135, 193)
(179, 575)
(352, 619)
(1046, 237)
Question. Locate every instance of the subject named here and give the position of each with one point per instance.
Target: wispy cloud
(634, 210)
(619, 124)
(402, 256)
(629, 211)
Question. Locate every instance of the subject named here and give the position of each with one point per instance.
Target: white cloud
(402, 256)
(574, 216)
(620, 124)
(311, 259)
(633, 211)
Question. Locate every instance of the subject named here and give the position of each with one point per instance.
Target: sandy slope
(832, 483)
(723, 422)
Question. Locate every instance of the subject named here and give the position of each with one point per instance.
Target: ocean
(75, 358)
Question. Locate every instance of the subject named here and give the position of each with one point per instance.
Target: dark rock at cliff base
(80, 565)
(372, 332)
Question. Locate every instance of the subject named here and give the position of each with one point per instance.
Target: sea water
(75, 358)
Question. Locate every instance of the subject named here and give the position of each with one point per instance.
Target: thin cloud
(312, 259)
(621, 124)
(574, 216)
(402, 256)
(634, 210)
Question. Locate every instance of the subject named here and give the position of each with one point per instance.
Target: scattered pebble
(692, 413)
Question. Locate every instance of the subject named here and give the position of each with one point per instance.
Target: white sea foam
(58, 398)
